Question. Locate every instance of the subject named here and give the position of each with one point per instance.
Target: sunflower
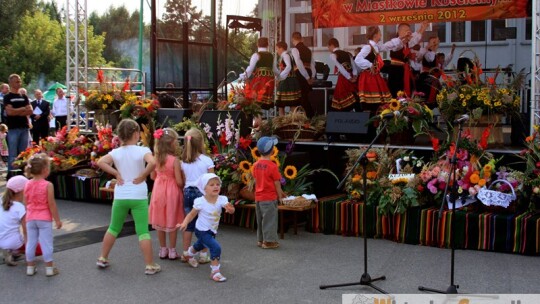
(275, 160)
(275, 151)
(255, 153)
(394, 105)
(290, 172)
(245, 178)
(244, 166)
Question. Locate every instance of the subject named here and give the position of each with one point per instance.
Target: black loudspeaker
(211, 118)
(317, 99)
(347, 126)
(170, 117)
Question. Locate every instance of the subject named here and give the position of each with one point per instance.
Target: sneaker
(270, 245)
(152, 269)
(184, 257)
(204, 258)
(31, 270)
(51, 271)
(163, 252)
(217, 276)
(259, 244)
(190, 259)
(102, 263)
(173, 255)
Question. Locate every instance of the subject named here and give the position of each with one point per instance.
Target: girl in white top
(130, 192)
(12, 218)
(194, 165)
(208, 208)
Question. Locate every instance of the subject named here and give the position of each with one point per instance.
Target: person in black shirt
(305, 70)
(17, 109)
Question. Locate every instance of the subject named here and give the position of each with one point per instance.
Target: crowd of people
(24, 121)
(185, 197)
(359, 86)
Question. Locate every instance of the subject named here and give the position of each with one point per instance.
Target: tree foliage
(11, 14)
(121, 29)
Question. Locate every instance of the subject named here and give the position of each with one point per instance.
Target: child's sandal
(218, 277)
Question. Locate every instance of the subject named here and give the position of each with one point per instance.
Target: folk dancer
(372, 88)
(262, 83)
(400, 72)
(288, 92)
(304, 67)
(345, 97)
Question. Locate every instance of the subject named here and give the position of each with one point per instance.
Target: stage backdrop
(344, 13)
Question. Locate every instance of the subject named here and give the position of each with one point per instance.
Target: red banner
(345, 13)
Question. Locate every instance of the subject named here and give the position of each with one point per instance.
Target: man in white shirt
(60, 109)
(304, 66)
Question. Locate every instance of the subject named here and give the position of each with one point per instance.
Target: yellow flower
(487, 168)
(245, 178)
(244, 166)
(290, 172)
(400, 94)
(275, 152)
(394, 104)
(464, 104)
(275, 160)
(255, 153)
(104, 106)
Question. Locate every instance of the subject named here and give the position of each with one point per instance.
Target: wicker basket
(298, 201)
(297, 133)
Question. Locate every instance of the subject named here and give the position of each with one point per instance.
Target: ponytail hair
(7, 199)
(164, 146)
(193, 145)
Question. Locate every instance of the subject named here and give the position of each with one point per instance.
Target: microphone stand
(452, 289)
(365, 279)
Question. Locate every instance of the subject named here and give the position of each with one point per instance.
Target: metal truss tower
(535, 66)
(76, 54)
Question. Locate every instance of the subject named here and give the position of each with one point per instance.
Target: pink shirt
(37, 203)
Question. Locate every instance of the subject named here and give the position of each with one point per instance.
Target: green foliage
(11, 13)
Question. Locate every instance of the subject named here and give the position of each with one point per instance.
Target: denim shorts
(190, 194)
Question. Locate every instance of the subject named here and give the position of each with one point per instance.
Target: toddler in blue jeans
(208, 208)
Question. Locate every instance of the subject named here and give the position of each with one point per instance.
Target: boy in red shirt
(267, 192)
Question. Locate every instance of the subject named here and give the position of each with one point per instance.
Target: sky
(230, 7)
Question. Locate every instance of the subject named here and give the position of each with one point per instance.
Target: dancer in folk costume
(304, 66)
(345, 97)
(262, 83)
(372, 88)
(288, 90)
(433, 65)
(400, 72)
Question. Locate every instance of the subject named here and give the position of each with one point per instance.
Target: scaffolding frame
(535, 66)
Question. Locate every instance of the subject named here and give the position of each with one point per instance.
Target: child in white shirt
(208, 208)
(12, 217)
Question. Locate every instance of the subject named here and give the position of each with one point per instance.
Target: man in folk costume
(304, 69)
(372, 88)
(288, 91)
(262, 83)
(432, 69)
(400, 73)
(345, 97)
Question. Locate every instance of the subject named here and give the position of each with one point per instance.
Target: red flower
(420, 188)
(215, 150)
(435, 143)
(484, 140)
(126, 85)
(244, 143)
(100, 77)
(223, 139)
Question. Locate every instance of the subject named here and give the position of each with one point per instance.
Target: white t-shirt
(194, 170)
(129, 161)
(60, 107)
(209, 214)
(10, 222)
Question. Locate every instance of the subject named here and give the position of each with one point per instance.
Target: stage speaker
(317, 99)
(169, 117)
(211, 118)
(347, 126)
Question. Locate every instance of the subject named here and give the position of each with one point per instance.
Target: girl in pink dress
(167, 202)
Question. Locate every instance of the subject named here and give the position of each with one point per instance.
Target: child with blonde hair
(41, 210)
(194, 164)
(208, 209)
(12, 217)
(130, 192)
(167, 203)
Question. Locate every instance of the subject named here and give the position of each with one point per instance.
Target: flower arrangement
(105, 142)
(467, 94)
(241, 98)
(107, 96)
(413, 112)
(227, 136)
(139, 108)
(66, 150)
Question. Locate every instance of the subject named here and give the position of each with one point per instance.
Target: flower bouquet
(241, 98)
(107, 96)
(105, 142)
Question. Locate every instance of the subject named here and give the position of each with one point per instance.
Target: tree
(11, 12)
(50, 9)
(119, 28)
(38, 50)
